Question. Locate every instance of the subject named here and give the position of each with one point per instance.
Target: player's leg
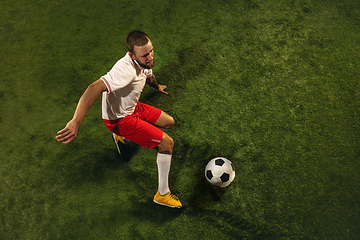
(166, 145)
(163, 161)
(147, 134)
(165, 121)
(164, 195)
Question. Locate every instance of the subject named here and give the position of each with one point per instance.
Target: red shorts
(138, 127)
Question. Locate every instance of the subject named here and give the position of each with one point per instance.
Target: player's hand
(68, 134)
(161, 89)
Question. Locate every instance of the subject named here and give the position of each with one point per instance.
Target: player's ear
(132, 56)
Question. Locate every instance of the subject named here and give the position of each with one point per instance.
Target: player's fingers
(62, 131)
(66, 139)
(61, 134)
(69, 139)
(65, 135)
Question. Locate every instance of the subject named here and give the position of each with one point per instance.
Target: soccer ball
(220, 172)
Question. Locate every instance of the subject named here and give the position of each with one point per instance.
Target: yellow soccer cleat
(122, 147)
(170, 200)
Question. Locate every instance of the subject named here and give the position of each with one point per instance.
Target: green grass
(271, 85)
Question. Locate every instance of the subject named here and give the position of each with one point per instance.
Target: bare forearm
(152, 82)
(87, 100)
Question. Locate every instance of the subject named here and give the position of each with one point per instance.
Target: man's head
(140, 49)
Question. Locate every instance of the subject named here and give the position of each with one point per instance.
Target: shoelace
(174, 197)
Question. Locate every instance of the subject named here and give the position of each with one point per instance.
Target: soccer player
(126, 117)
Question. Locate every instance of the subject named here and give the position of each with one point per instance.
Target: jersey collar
(137, 64)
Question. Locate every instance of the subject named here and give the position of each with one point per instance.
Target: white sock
(163, 162)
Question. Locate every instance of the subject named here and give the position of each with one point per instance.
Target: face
(144, 55)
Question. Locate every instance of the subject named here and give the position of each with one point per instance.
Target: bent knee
(171, 122)
(166, 145)
(168, 140)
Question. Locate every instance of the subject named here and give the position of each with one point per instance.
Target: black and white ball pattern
(220, 172)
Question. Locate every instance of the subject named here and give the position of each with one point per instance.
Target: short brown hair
(136, 38)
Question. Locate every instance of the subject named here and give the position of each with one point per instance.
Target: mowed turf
(271, 85)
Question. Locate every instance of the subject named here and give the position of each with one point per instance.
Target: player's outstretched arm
(69, 133)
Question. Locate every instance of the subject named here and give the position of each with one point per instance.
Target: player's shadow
(154, 213)
(133, 150)
(89, 166)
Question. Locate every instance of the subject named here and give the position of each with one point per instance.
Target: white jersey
(124, 82)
